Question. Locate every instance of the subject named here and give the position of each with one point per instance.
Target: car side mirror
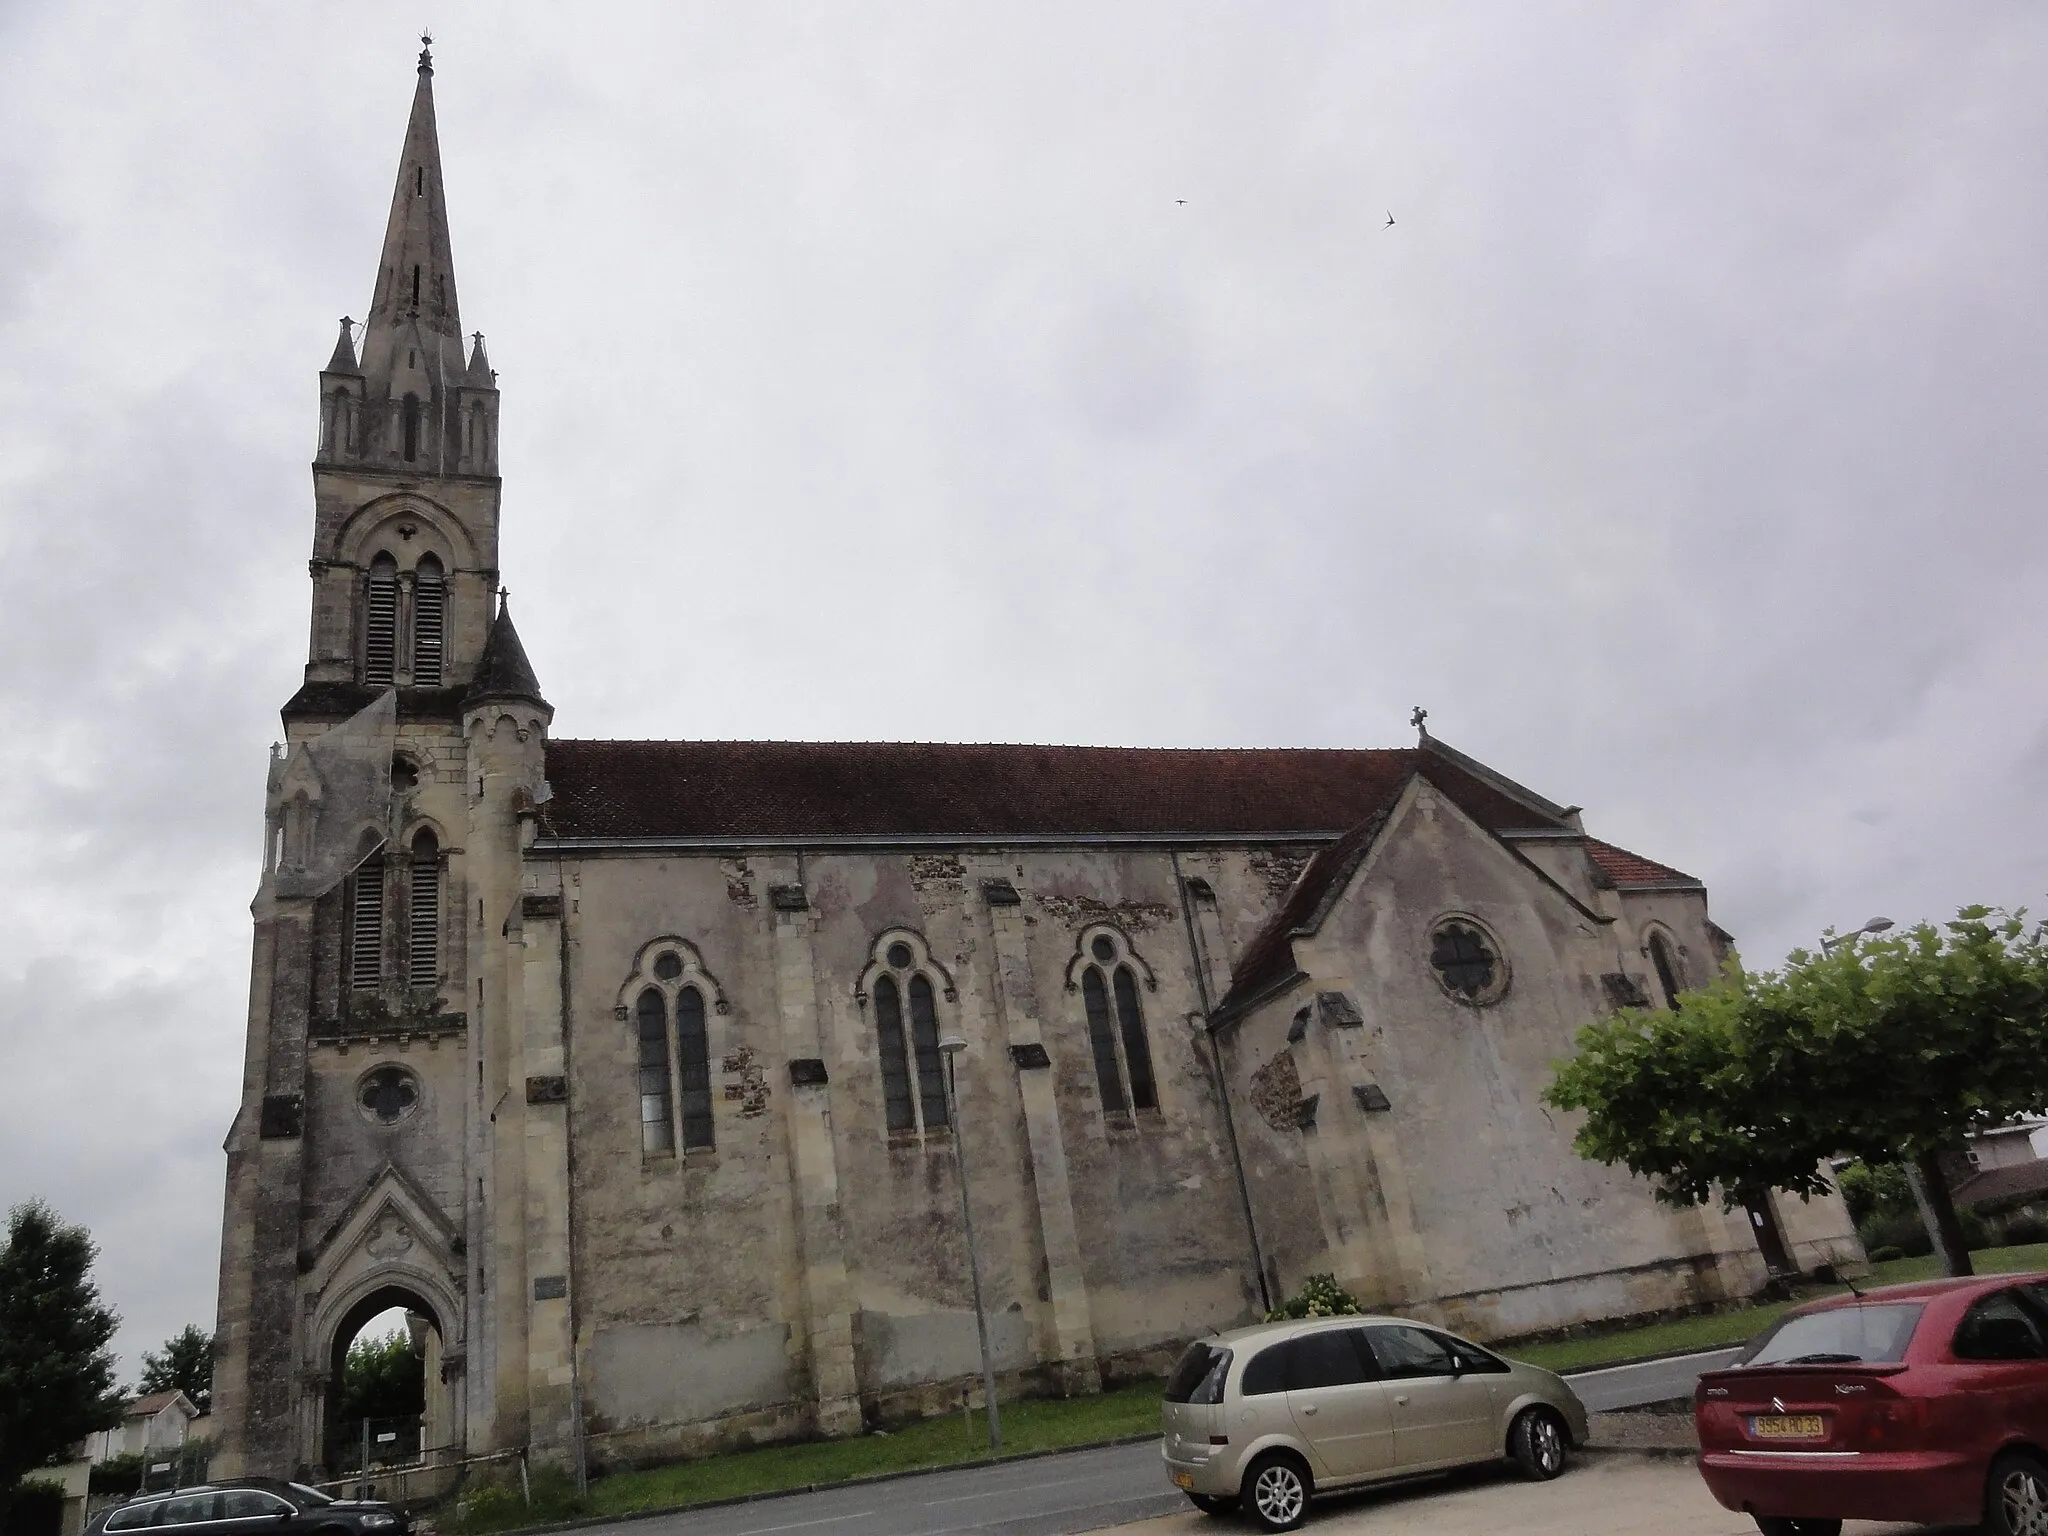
(284, 1514)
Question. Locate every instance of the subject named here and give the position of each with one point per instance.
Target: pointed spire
(503, 672)
(344, 359)
(479, 375)
(414, 326)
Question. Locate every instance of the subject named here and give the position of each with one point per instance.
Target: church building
(646, 1073)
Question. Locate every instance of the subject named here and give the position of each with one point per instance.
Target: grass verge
(1719, 1329)
(1054, 1424)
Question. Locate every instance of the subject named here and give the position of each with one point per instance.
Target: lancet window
(1116, 1024)
(429, 622)
(380, 623)
(366, 925)
(674, 1063)
(1667, 969)
(423, 927)
(906, 1002)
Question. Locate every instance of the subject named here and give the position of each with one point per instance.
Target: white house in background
(2008, 1146)
(162, 1421)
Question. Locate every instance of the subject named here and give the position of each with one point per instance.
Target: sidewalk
(1615, 1495)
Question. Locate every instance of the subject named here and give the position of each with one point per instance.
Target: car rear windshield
(1199, 1376)
(1840, 1336)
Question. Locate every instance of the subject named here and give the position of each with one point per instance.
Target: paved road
(1057, 1495)
(1629, 1386)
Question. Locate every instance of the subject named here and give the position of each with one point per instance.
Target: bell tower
(361, 1166)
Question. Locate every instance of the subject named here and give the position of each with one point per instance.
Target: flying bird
(1390, 220)
(1182, 201)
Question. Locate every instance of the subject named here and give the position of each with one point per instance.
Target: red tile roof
(787, 791)
(1626, 869)
(2007, 1183)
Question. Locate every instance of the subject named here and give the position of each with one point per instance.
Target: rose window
(1467, 961)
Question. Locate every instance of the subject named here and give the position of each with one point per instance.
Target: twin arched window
(366, 906)
(382, 627)
(1122, 1053)
(674, 1061)
(918, 1049)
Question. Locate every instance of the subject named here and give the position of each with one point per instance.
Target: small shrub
(37, 1508)
(2023, 1228)
(499, 1505)
(1886, 1253)
(1319, 1296)
(1905, 1233)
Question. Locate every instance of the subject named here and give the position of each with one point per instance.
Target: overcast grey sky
(1679, 447)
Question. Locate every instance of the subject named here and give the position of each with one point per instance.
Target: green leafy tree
(184, 1364)
(56, 1376)
(382, 1379)
(1888, 1049)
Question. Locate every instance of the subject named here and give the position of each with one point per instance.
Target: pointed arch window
(429, 622)
(675, 1060)
(1116, 1028)
(366, 925)
(380, 622)
(907, 1038)
(423, 925)
(1667, 969)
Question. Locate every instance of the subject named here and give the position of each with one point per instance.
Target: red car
(1915, 1402)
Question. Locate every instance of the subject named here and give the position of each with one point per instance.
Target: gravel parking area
(1602, 1495)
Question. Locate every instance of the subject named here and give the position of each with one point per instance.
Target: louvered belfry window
(366, 926)
(429, 623)
(380, 623)
(423, 930)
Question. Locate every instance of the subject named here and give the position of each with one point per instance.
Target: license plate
(1183, 1479)
(1787, 1426)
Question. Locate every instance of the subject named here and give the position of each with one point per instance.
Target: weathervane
(426, 58)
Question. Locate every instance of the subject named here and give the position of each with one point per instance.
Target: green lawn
(940, 1442)
(1733, 1327)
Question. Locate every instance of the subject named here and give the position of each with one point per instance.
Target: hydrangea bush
(1319, 1296)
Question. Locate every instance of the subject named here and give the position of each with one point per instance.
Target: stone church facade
(619, 1062)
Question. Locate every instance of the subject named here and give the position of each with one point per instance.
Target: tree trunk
(1763, 1224)
(1953, 1248)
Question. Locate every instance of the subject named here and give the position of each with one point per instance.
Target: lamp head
(1876, 925)
(952, 1045)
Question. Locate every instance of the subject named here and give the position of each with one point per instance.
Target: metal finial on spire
(426, 57)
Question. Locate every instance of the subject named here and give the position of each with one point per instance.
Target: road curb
(586, 1522)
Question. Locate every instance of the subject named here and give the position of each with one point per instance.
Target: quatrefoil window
(388, 1094)
(1467, 960)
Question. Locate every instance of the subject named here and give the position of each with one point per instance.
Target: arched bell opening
(385, 1391)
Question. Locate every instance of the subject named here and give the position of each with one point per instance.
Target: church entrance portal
(392, 1401)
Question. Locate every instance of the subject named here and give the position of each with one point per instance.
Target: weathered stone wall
(698, 1257)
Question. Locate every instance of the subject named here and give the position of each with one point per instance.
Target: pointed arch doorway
(399, 1399)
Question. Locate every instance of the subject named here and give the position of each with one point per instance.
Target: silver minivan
(1264, 1418)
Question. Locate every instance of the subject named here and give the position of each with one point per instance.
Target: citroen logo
(1778, 1404)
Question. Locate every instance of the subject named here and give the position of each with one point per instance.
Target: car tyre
(1212, 1503)
(1539, 1443)
(1276, 1492)
(2016, 1496)
(1786, 1525)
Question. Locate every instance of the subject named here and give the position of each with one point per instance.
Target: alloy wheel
(2023, 1501)
(1548, 1442)
(1278, 1493)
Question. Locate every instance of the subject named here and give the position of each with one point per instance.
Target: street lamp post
(951, 1047)
(1914, 1181)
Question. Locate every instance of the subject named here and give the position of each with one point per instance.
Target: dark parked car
(1923, 1402)
(255, 1506)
